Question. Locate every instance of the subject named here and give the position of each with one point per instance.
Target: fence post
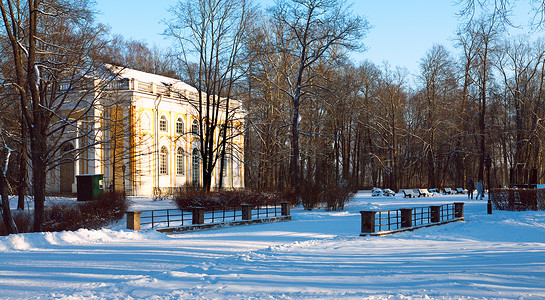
(459, 209)
(406, 217)
(435, 213)
(285, 208)
(198, 215)
(367, 221)
(133, 220)
(246, 212)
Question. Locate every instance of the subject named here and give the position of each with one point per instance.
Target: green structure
(90, 186)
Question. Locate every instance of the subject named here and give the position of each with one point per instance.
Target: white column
(77, 145)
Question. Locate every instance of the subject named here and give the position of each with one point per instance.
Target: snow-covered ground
(316, 255)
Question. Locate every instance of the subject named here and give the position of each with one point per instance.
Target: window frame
(180, 162)
(195, 128)
(163, 161)
(180, 126)
(196, 166)
(163, 123)
(145, 122)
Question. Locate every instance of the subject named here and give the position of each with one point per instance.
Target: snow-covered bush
(228, 199)
(63, 216)
(95, 214)
(109, 207)
(23, 220)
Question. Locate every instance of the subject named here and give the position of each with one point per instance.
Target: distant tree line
(365, 125)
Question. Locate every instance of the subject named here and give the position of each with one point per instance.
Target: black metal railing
(399, 219)
(222, 214)
(421, 215)
(447, 212)
(388, 220)
(267, 211)
(165, 218)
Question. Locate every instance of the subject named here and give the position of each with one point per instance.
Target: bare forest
(365, 125)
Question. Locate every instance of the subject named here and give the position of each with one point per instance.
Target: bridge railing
(390, 221)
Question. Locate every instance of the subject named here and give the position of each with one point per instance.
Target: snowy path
(318, 255)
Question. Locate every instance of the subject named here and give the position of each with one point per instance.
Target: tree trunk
(482, 133)
(39, 178)
(431, 169)
(22, 169)
(296, 180)
(222, 168)
(6, 210)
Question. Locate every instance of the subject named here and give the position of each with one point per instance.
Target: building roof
(176, 84)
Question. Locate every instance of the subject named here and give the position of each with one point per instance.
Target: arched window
(180, 126)
(67, 168)
(228, 165)
(195, 167)
(235, 165)
(163, 161)
(147, 153)
(145, 122)
(195, 127)
(180, 157)
(220, 134)
(163, 123)
(67, 147)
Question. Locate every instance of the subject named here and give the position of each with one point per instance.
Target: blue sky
(402, 30)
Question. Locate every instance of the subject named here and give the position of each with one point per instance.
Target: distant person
(480, 191)
(470, 188)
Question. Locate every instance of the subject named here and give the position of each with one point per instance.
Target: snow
(317, 255)
(152, 78)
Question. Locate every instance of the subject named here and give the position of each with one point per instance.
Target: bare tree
(473, 9)
(13, 123)
(209, 36)
(437, 76)
(486, 33)
(469, 9)
(502, 11)
(53, 45)
(522, 70)
(388, 126)
(268, 111)
(310, 30)
(137, 55)
(5, 153)
(469, 43)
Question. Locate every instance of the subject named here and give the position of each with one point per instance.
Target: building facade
(145, 139)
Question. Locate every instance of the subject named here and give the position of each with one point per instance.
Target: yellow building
(147, 129)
